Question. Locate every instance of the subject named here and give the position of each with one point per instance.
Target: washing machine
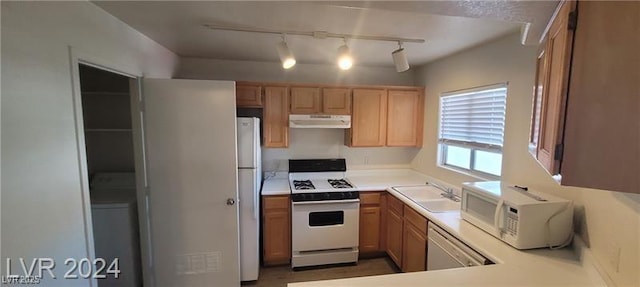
(115, 226)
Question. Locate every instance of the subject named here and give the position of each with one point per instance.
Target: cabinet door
(336, 101)
(538, 91)
(369, 229)
(414, 248)
(248, 96)
(404, 118)
(305, 100)
(558, 51)
(602, 134)
(383, 220)
(394, 237)
(369, 118)
(276, 228)
(276, 117)
(277, 241)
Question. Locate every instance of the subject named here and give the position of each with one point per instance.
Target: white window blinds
(474, 117)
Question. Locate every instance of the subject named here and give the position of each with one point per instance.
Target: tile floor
(279, 276)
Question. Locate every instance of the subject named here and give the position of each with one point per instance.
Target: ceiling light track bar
(314, 34)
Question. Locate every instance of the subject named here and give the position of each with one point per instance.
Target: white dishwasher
(446, 252)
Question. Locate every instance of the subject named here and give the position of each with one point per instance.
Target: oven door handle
(325, 201)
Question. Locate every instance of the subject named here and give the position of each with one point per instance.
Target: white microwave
(523, 219)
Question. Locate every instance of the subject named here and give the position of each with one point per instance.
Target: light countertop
(364, 180)
(571, 266)
(276, 184)
(376, 180)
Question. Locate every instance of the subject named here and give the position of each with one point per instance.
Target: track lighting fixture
(286, 57)
(400, 59)
(345, 61)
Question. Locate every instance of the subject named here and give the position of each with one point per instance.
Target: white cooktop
(320, 181)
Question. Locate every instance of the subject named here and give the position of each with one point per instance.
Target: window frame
(469, 171)
(443, 144)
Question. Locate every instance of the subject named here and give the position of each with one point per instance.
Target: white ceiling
(447, 27)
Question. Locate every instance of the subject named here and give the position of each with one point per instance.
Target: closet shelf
(108, 130)
(105, 93)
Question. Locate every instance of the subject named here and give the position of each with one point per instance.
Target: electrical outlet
(613, 255)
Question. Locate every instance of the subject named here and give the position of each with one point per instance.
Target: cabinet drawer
(370, 198)
(275, 202)
(395, 205)
(416, 219)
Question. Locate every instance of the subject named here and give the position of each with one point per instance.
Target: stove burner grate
(339, 183)
(303, 184)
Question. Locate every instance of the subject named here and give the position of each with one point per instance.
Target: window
(472, 129)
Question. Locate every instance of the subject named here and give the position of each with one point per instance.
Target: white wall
(606, 220)
(329, 143)
(42, 205)
(314, 143)
(197, 68)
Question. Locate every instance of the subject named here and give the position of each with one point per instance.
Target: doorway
(109, 137)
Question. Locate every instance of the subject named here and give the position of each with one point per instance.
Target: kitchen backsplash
(329, 143)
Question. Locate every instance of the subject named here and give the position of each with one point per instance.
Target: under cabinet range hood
(319, 121)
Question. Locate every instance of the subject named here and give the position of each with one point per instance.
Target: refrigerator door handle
(255, 200)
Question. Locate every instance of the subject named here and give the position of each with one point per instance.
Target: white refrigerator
(249, 186)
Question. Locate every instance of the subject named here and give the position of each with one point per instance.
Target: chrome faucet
(447, 192)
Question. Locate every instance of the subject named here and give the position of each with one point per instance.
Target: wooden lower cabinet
(414, 249)
(369, 229)
(405, 234)
(276, 230)
(370, 223)
(414, 241)
(394, 230)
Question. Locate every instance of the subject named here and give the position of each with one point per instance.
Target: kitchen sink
(429, 197)
(439, 205)
(423, 192)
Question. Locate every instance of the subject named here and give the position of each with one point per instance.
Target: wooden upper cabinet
(248, 96)
(404, 118)
(602, 134)
(336, 101)
(369, 118)
(586, 114)
(554, 91)
(305, 100)
(538, 91)
(276, 117)
(313, 100)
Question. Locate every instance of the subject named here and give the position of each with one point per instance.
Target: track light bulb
(400, 59)
(345, 61)
(286, 57)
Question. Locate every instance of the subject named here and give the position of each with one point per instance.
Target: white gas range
(325, 213)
